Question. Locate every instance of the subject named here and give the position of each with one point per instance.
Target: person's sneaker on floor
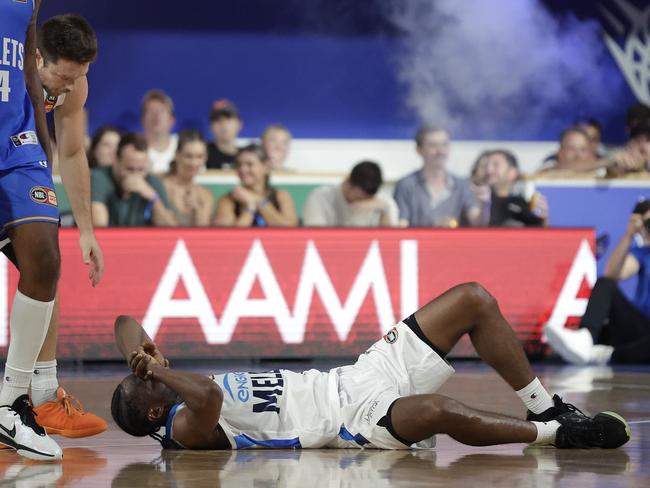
(65, 416)
(574, 346)
(601, 354)
(19, 430)
(559, 408)
(607, 430)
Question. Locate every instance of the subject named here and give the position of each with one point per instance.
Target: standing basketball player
(66, 46)
(29, 217)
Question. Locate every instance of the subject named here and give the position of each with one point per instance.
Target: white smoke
(477, 66)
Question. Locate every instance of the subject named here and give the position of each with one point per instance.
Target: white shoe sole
(557, 342)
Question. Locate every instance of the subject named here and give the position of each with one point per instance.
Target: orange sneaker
(65, 416)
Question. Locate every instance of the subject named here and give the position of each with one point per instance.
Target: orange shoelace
(72, 405)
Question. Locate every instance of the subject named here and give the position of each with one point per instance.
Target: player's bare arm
(34, 86)
(69, 124)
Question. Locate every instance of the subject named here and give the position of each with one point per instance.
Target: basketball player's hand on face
(141, 365)
(151, 349)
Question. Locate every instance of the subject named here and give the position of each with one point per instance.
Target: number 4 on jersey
(4, 86)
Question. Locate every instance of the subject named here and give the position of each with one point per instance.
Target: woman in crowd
(254, 202)
(276, 142)
(191, 203)
(103, 146)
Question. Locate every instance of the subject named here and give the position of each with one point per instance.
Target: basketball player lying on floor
(385, 400)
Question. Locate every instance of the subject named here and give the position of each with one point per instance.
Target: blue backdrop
(326, 69)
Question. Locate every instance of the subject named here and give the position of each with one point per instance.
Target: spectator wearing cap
(254, 202)
(276, 143)
(225, 125)
(431, 196)
(508, 206)
(353, 203)
(613, 327)
(158, 121)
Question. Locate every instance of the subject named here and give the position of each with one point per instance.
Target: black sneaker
(555, 411)
(606, 430)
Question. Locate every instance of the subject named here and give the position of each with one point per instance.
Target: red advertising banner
(304, 292)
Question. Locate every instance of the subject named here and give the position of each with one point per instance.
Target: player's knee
(433, 409)
(42, 268)
(478, 298)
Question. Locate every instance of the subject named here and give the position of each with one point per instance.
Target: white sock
(44, 382)
(546, 432)
(535, 397)
(28, 325)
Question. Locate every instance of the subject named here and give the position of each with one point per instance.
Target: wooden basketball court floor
(114, 459)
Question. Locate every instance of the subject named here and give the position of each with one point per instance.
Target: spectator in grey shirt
(431, 196)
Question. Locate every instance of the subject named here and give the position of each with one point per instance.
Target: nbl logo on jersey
(391, 336)
(41, 194)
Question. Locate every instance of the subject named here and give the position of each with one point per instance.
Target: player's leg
(419, 417)
(470, 309)
(58, 412)
(37, 252)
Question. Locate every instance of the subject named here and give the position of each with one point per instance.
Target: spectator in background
(254, 202)
(431, 196)
(353, 203)
(594, 132)
(508, 206)
(225, 125)
(158, 121)
(126, 194)
(192, 204)
(635, 156)
(103, 147)
(614, 328)
(573, 155)
(637, 114)
(276, 142)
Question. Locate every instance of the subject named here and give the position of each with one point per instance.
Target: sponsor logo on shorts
(41, 194)
(24, 138)
(371, 411)
(391, 336)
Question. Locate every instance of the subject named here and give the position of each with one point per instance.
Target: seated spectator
(276, 142)
(103, 147)
(254, 202)
(637, 114)
(594, 132)
(478, 185)
(614, 328)
(225, 125)
(353, 203)
(158, 121)
(635, 156)
(573, 156)
(192, 204)
(431, 196)
(125, 194)
(508, 207)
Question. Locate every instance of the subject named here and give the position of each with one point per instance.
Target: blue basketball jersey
(18, 141)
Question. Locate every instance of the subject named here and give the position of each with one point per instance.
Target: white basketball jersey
(279, 408)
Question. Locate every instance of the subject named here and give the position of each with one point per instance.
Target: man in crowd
(508, 206)
(158, 121)
(431, 196)
(126, 194)
(225, 125)
(614, 328)
(353, 203)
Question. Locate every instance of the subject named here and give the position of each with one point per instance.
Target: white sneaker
(601, 354)
(19, 430)
(573, 345)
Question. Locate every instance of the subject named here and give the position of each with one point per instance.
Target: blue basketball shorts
(26, 195)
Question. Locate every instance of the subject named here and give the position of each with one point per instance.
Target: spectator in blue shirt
(614, 328)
